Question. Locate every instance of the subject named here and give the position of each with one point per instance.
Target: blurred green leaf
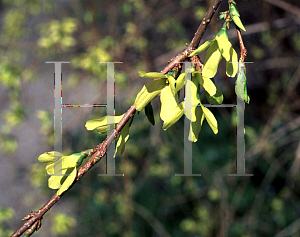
(6, 214)
(62, 224)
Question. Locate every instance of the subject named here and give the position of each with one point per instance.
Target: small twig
(101, 149)
(196, 40)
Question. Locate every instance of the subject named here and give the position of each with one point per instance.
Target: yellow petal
(168, 102)
(151, 75)
(210, 119)
(174, 116)
(207, 84)
(67, 182)
(202, 48)
(101, 124)
(212, 59)
(196, 126)
(148, 93)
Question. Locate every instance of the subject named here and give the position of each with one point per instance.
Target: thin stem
(242, 46)
(101, 149)
(197, 37)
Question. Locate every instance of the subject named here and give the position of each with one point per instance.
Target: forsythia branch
(33, 222)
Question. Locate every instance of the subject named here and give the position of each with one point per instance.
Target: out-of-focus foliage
(6, 214)
(62, 224)
(57, 35)
(13, 72)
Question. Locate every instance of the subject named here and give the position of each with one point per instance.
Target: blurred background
(149, 200)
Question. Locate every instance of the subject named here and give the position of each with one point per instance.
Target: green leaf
(149, 113)
(246, 96)
(202, 48)
(238, 22)
(233, 11)
(148, 93)
(222, 16)
(222, 33)
(195, 97)
(123, 138)
(68, 182)
(228, 52)
(151, 75)
(203, 95)
(210, 119)
(48, 156)
(212, 59)
(174, 115)
(168, 102)
(64, 165)
(240, 84)
(172, 82)
(207, 84)
(101, 124)
(236, 16)
(196, 126)
(132, 118)
(224, 47)
(81, 156)
(65, 162)
(194, 89)
(180, 82)
(55, 181)
(216, 98)
(232, 64)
